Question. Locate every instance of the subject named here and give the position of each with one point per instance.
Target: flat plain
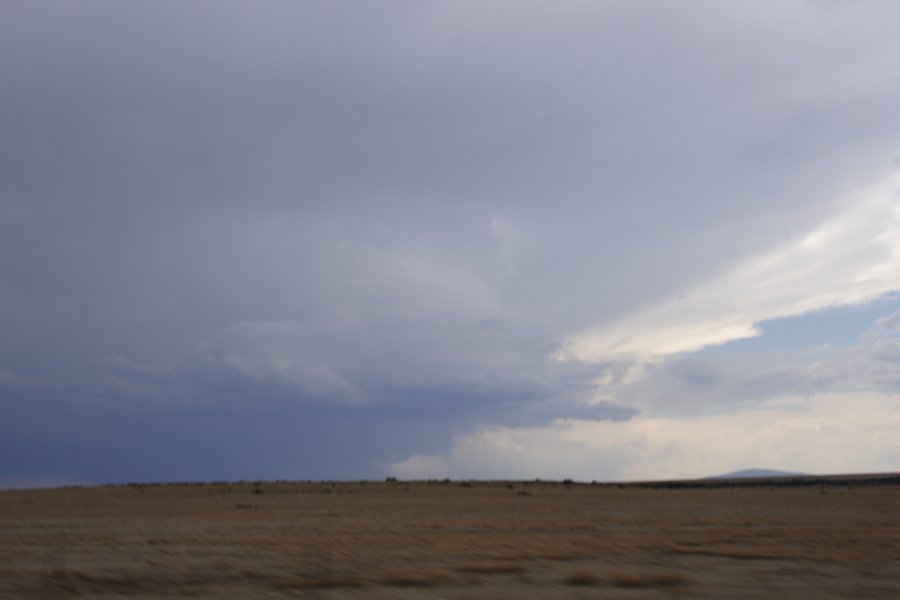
(446, 539)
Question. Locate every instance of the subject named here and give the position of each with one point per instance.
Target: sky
(604, 240)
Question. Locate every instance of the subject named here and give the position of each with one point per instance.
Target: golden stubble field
(449, 540)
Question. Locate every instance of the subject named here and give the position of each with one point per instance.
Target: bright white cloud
(723, 382)
(832, 433)
(851, 258)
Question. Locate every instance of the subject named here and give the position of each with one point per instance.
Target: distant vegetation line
(885, 479)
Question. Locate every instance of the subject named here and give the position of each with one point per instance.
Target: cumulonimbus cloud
(851, 258)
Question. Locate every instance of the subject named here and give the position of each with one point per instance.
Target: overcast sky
(308, 240)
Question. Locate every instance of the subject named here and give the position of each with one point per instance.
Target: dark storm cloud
(388, 212)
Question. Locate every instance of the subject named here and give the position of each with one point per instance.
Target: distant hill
(747, 473)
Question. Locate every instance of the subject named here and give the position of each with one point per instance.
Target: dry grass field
(449, 540)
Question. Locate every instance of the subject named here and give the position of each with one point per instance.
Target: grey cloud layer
(400, 205)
